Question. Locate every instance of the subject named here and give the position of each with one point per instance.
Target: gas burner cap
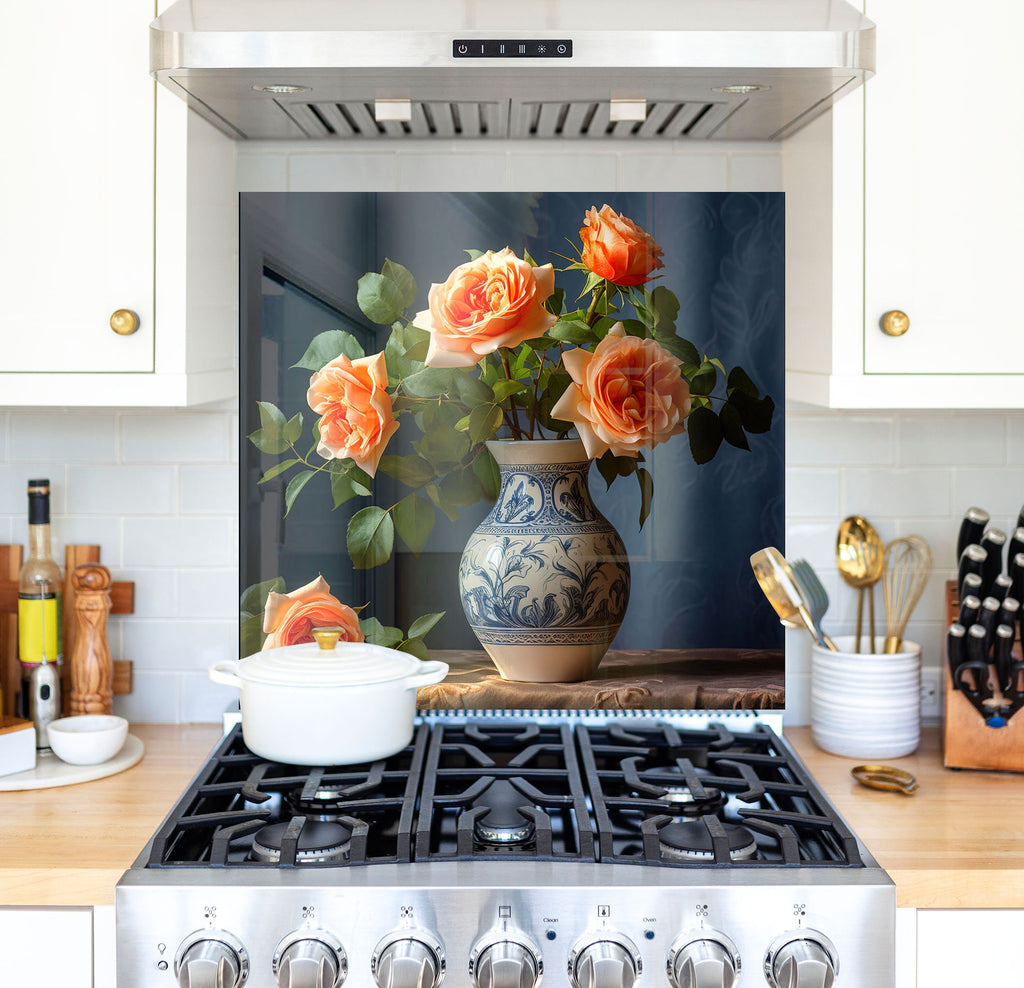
(319, 843)
(682, 800)
(502, 824)
(327, 801)
(691, 841)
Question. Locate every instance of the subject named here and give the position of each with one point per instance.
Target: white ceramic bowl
(88, 739)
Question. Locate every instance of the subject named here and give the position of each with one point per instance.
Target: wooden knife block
(967, 741)
(122, 596)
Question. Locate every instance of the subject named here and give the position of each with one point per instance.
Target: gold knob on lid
(124, 322)
(327, 638)
(895, 323)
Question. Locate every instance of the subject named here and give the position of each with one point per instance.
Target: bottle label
(38, 629)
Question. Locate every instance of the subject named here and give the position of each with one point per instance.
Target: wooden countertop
(958, 843)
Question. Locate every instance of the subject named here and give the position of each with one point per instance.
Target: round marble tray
(50, 771)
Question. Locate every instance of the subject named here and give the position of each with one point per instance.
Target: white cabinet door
(44, 946)
(969, 947)
(76, 186)
(944, 206)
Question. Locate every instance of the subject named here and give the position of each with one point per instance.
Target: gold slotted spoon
(860, 559)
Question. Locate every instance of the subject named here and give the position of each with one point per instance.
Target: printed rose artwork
(496, 300)
(500, 352)
(629, 393)
(355, 408)
(289, 618)
(616, 249)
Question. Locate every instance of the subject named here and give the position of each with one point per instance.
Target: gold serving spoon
(885, 777)
(860, 559)
(775, 578)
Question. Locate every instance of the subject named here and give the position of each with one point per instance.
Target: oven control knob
(310, 959)
(505, 961)
(707, 960)
(606, 960)
(211, 959)
(801, 959)
(408, 959)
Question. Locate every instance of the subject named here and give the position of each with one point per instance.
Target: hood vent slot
(572, 120)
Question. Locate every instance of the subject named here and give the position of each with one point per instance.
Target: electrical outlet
(931, 694)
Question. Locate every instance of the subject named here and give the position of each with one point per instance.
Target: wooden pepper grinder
(92, 670)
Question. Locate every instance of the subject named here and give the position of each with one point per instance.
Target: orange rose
(289, 618)
(357, 422)
(628, 393)
(615, 248)
(492, 301)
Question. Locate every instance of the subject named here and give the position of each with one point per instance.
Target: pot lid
(347, 664)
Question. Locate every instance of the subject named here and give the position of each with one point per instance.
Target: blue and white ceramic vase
(544, 579)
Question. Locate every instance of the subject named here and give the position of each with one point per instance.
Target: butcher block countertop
(958, 843)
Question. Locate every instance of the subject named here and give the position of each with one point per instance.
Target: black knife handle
(1002, 660)
(977, 662)
(1000, 587)
(989, 618)
(971, 587)
(1016, 545)
(1020, 517)
(972, 560)
(973, 524)
(1009, 612)
(970, 608)
(993, 542)
(956, 651)
(1016, 570)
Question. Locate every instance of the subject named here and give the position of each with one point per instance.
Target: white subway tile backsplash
(210, 593)
(203, 701)
(122, 490)
(344, 172)
(179, 645)
(209, 490)
(261, 172)
(179, 542)
(835, 440)
(1000, 491)
(175, 437)
(812, 540)
(469, 172)
(656, 172)
(812, 492)
(14, 478)
(944, 440)
(156, 591)
(63, 436)
(101, 530)
(154, 699)
(1015, 439)
(755, 172)
(533, 171)
(5, 425)
(896, 493)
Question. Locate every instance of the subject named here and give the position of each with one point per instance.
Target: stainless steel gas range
(687, 850)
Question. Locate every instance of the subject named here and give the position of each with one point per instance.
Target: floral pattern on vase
(544, 579)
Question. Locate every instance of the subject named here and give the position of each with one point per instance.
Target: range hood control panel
(514, 48)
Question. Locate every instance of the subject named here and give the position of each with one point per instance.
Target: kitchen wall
(158, 489)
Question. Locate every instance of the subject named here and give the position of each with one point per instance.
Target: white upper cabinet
(98, 217)
(907, 199)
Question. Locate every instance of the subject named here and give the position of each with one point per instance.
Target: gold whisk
(908, 564)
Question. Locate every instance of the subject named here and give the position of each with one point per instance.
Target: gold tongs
(885, 777)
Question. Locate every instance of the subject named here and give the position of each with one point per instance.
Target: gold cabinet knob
(124, 322)
(895, 323)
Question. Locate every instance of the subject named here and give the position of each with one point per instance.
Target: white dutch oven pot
(330, 703)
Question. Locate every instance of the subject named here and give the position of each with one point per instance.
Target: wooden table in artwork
(643, 679)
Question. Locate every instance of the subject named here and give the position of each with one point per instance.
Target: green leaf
(325, 347)
(254, 598)
(370, 537)
(705, 432)
(473, 253)
(555, 301)
(443, 447)
(417, 647)
(487, 472)
(271, 418)
(411, 470)
(703, 382)
(683, 350)
(380, 298)
(431, 382)
(646, 482)
(380, 634)
(593, 280)
(460, 488)
(484, 422)
(250, 635)
(342, 489)
(572, 331)
(435, 495)
(277, 469)
(755, 414)
(404, 281)
(463, 424)
(418, 351)
(423, 624)
(504, 388)
(732, 426)
(293, 428)
(665, 307)
(739, 380)
(634, 327)
(414, 518)
(291, 492)
(472, 390)
(270, 438)
(361, 489)
(606, 467)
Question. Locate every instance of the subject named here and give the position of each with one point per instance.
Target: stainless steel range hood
(407, 69)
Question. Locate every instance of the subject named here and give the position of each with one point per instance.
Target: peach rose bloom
(615, 248)
(289, 618)
(495, 300)
(355, 408)
(627, 394)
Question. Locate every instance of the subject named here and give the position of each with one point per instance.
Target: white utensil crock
(303, 705)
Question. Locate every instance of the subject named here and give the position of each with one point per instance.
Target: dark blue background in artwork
(724, 260)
